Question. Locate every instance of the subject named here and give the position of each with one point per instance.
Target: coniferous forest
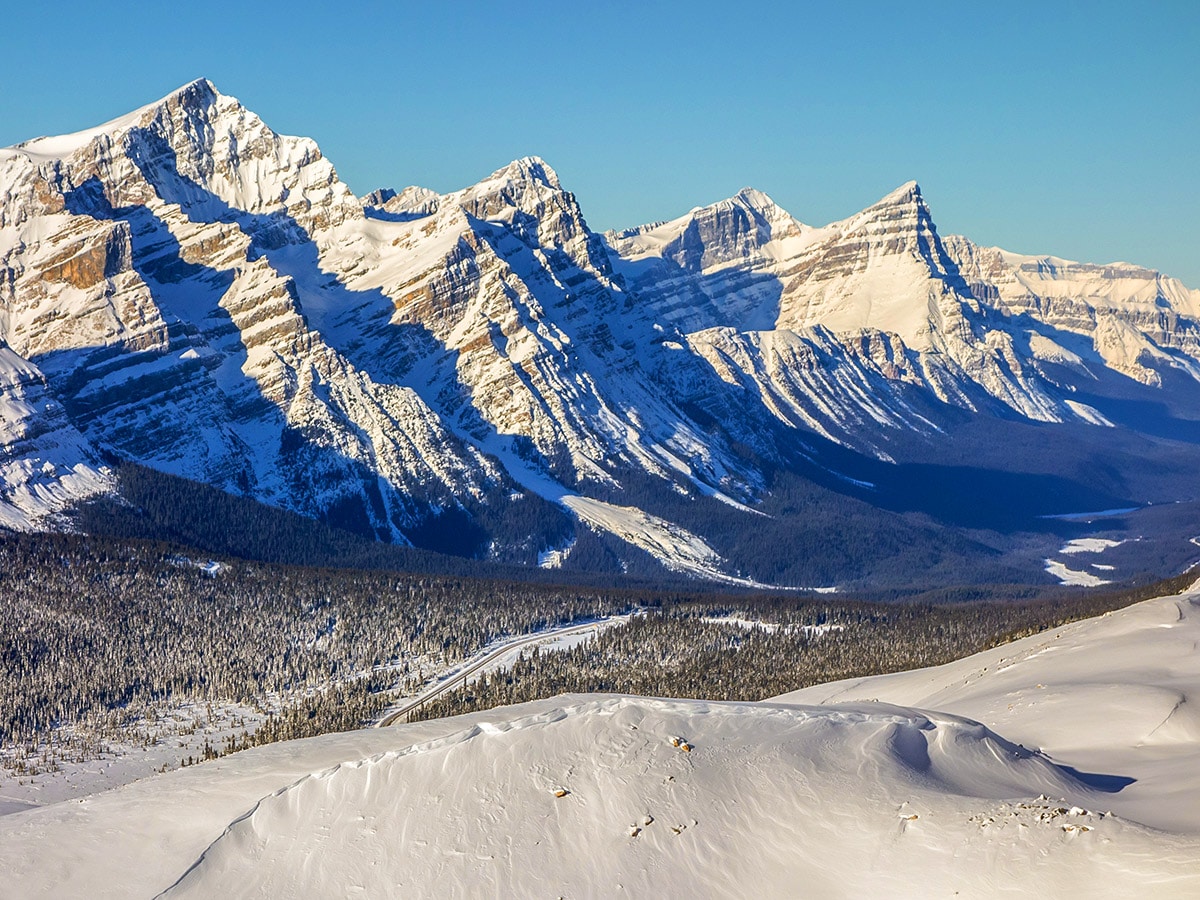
(100, 636)
(756, 649)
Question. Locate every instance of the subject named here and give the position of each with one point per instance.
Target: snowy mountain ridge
(205, 297)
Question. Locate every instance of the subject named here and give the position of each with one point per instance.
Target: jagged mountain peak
(208, 153)
(378, 197)
(759, 205)
(738, 228)
(752, 198)
(883, 268)
(530, 168)
(184, 270)
(900, 224)
(755, 197)
(509, 184)
(909, 192)
(527, 197)
(905, 204)
(198, 92)
(195, 146)
(411, 203)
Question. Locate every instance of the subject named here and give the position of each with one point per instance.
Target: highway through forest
(461, 677)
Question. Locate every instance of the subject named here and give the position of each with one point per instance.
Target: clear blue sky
(1073, 130)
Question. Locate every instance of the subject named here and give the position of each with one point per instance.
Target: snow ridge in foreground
(757, 799)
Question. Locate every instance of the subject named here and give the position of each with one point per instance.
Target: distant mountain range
(732, 394)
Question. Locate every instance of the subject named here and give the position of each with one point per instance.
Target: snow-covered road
(495, 658)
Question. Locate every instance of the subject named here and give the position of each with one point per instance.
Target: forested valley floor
(101, 639)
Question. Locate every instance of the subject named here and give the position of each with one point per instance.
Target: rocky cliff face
(185, 288)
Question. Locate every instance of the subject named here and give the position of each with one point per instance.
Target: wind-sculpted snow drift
(640, 815)
(193, 292)
(596, 796)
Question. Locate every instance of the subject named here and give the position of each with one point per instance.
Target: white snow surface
(555, 556)
(1066, 575)
(677, 547)
(1089, 545)
(1089, 414)
(1115, 695)
(672, 545)
(46, 465)
(850, 789)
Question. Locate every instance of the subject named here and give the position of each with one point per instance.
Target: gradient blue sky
(1073, 130)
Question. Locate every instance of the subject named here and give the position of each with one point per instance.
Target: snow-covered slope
(717, 265)
(511, 327)
(1114, 696)
(1139, 321)
(45, 464)
(855, 799)
(207, 298)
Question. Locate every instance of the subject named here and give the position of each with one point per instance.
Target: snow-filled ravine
(1061, 765)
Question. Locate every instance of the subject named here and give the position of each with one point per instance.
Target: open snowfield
(1118, 696)
(866, 796)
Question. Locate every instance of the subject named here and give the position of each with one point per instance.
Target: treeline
(157, 506)
(684, 652)
(341, 707)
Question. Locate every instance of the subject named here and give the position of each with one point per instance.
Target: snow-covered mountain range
(186, 289)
